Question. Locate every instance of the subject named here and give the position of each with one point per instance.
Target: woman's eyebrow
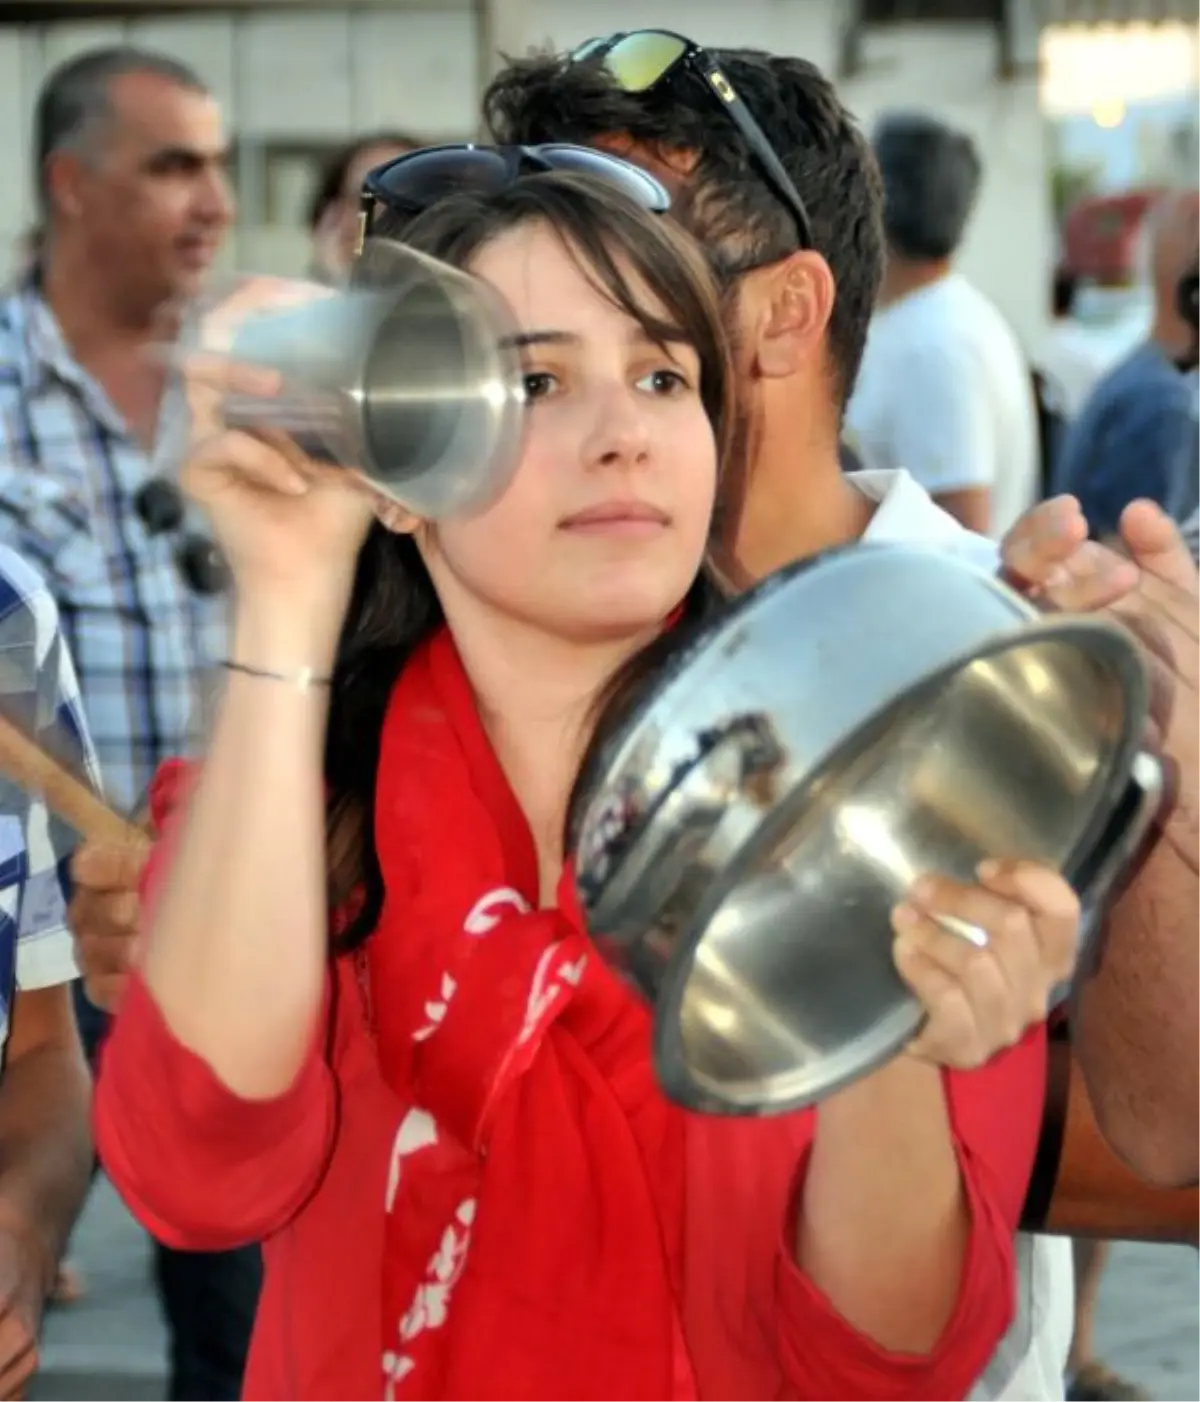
(638, 335)
(540, 338)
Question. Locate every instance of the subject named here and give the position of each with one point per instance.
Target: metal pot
(412, 378)
(850, 723)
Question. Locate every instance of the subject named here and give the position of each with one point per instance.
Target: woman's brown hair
(393, 606)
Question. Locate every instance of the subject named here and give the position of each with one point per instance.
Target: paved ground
(112, 1344)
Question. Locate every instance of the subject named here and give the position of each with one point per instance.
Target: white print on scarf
(430, 1304)
(483, 916)
(435, 1011)
(548, 987)
(553, 975)
(417, 1131)
(487, 911)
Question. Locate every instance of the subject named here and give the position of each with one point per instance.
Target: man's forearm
(45, 1147)
(1135, 1026)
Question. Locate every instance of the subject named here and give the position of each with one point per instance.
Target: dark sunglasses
(638, 60)
(160, 506)
(414, 181)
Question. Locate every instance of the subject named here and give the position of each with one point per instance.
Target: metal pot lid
(741, 874)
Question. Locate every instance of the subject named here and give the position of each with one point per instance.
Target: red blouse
(305, 1174)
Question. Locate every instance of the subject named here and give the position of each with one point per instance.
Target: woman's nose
(620, 429)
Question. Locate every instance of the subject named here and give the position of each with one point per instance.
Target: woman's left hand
(984, 988)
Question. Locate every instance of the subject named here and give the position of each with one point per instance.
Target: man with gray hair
(129, 159)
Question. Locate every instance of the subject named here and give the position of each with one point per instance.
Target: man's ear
(64, 174)
(790, 303)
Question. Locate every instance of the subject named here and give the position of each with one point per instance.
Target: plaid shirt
(39, 693)
(69, 472)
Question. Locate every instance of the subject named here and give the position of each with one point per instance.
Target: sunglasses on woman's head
(639, 60)
(414, 181)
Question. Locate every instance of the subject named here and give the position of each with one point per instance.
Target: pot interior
(788, 989)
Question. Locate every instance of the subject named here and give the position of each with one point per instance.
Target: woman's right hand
(290, 528)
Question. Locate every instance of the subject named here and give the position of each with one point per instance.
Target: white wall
(313, 77)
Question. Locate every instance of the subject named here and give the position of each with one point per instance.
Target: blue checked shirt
(142, 641)
(40, 695)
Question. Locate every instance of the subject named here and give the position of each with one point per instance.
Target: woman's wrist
(893, 1096)
(285, 636)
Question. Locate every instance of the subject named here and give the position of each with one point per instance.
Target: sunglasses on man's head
(639, 60)
(418, 179)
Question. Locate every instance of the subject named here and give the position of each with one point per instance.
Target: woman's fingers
(249, 460)
(984, 958)
(1051, 902)
(975, 1006)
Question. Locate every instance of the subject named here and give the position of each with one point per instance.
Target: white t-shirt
(946, 394)
(1031, 1362)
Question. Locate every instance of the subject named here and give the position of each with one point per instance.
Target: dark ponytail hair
(393, 606)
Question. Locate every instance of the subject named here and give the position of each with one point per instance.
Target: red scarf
(525, 1254)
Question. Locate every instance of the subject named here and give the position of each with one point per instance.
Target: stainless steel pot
(849, 724)
(412, 378)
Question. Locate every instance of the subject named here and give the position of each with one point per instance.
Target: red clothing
(305, 1173)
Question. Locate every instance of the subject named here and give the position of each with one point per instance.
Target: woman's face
(604, 526)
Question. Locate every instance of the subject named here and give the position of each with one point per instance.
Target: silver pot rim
(886, 1037)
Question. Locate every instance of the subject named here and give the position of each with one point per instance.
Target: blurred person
(1049, 394)
(133, 204)
(1070, 355)
(944, 390)
(333, 215)
(26, 251)
(45, 1090)
(1135, 436)
(499, 1165)
(1067, 366)
(1153, 418)
(1090, 1378)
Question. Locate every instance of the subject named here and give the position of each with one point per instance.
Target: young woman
(447, 1131)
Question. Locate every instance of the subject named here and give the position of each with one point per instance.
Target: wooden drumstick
(23, 761)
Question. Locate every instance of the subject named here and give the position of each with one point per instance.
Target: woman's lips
(619, 518)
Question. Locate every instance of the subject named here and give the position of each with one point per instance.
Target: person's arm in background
(45, 1145)
(1135, 1021)
(1082, 1188)
(944, 436)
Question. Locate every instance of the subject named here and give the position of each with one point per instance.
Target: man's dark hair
(728, 203)
(75, 100)
(931, 176)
